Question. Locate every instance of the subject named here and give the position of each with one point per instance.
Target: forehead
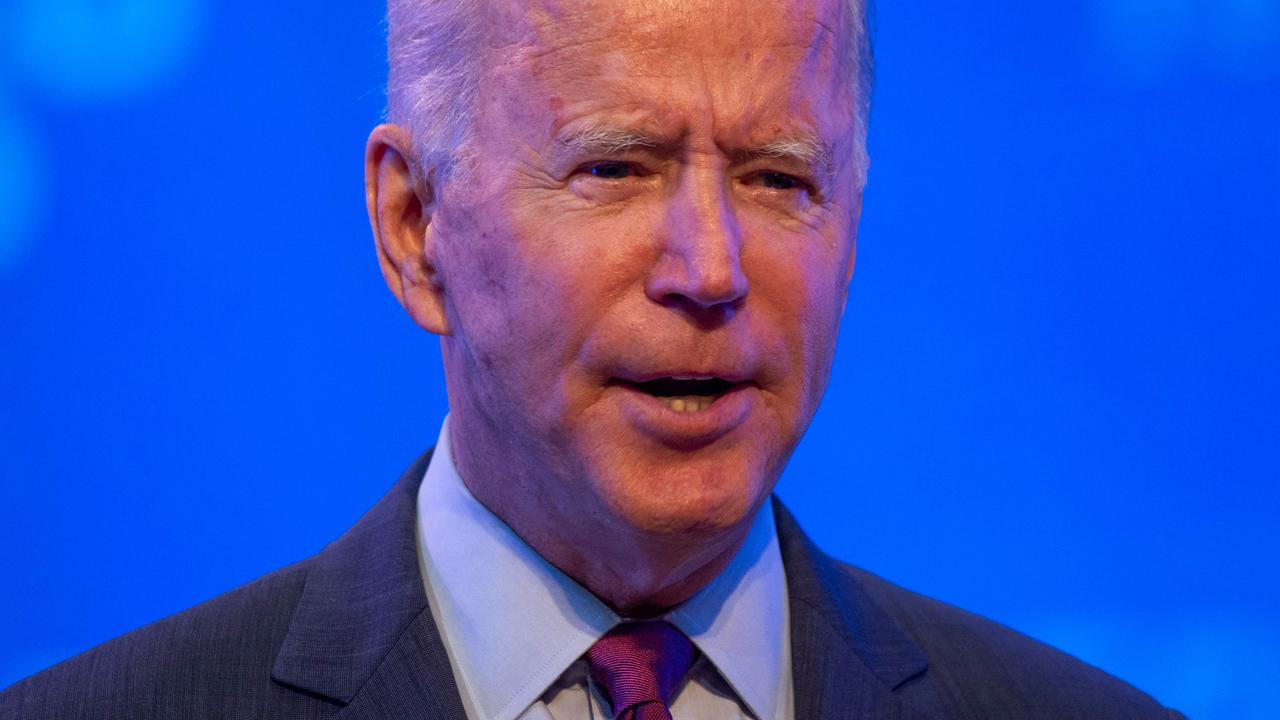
(748, 66)
(733, 22)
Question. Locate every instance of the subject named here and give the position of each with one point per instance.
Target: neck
(637, 572)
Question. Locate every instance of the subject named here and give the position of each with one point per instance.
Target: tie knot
(640, 664)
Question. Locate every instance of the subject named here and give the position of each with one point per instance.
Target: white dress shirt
(515, 627)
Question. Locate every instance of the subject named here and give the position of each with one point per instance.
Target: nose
(700, 269)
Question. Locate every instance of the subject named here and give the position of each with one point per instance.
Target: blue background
(1055, 402)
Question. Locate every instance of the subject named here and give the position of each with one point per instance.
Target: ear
(400, 199)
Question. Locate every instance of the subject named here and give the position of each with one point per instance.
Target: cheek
(799, 283)
(476, 267)
(824, 294)
(527, 292)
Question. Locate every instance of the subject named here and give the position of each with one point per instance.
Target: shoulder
(297, 643)
(213, 660)
(985, 667)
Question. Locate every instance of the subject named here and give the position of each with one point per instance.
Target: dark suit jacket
(348, 634)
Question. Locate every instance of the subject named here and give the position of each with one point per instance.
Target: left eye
(611, 170)
(780, 181)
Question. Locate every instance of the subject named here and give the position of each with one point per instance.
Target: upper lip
(641, 376)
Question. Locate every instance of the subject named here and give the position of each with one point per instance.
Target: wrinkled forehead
(772, 55)
(804, 22)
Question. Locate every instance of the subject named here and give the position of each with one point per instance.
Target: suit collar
(849, 655)
(362, 633)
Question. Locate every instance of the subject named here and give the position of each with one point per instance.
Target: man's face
(645, 265)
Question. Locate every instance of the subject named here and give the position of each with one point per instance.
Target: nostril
(717, 287)
(704, 315)
(699, 276)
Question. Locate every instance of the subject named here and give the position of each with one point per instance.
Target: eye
(606, 181)
(610, 170)
(781, 181)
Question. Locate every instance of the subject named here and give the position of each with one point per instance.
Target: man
(632, 224)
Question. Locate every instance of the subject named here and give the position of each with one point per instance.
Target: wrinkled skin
(558, 271)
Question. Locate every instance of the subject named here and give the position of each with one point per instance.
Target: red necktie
(640, 664)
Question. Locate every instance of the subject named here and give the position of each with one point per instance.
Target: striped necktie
(641, 664)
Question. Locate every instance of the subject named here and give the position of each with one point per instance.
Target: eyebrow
(805, 148)
(607, 140)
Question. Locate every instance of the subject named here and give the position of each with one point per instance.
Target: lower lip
(686, 430)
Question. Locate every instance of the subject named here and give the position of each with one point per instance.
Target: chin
(686, 498)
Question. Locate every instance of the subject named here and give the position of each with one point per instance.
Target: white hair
(435, 74)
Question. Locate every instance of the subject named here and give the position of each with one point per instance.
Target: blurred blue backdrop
(1056, 399)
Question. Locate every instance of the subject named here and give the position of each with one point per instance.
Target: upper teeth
(688, 404)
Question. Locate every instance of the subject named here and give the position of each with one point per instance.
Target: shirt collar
(739, 621)
(513, 623)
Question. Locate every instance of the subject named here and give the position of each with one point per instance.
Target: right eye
(610, 170)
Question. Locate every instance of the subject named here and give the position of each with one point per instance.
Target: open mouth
(684, 395)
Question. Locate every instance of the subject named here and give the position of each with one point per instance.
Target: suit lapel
(362, 634)
(848, 656)
(413, 682)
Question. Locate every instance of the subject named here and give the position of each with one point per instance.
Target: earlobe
(400, 202)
